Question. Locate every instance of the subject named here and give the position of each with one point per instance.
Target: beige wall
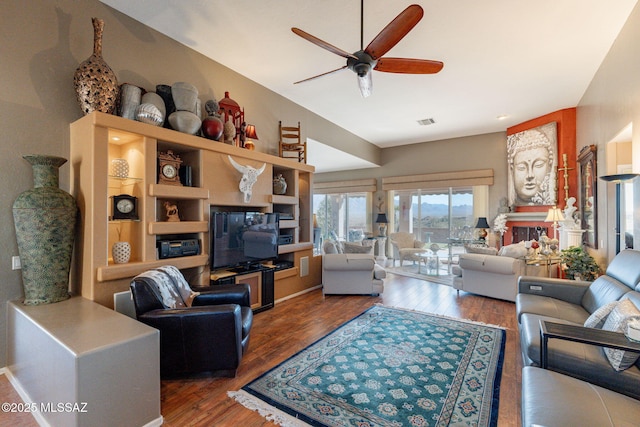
(458, 154)
(41, 44)
(43, 41)
(611, 102)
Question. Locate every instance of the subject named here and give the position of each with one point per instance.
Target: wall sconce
(554, 215)
(482, 224)
(618, 179)
(381, 222)
(250, 134)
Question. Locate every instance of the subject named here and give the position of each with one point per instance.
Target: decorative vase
(95, 82)
(121, 252)
(212, 127)
(279, 185)
(229, 131)
(45, 219)
(129, 100)
(120, 168)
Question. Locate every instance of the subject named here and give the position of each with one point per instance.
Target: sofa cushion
(617, 320)
(598, 317)
(551, 307)
(624, 268)
(603, 290)
(553, 399)
(584, 361)
(516, 250)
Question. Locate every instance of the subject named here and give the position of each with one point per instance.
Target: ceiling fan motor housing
(363, 64)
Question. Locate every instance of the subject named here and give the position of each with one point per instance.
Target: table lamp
(554, 215)
(482, 224)
(618, 179)
(250, 134)
(381, 222)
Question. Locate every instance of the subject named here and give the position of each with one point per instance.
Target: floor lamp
(618, 179)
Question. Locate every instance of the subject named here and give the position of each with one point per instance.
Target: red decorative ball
(535, 245)
(212, 128)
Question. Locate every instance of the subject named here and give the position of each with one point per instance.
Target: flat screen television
(240, 239)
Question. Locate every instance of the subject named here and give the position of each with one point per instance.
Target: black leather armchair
(209, 337)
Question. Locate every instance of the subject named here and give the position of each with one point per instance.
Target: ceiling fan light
(365, 83)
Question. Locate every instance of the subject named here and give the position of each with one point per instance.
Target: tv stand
(260, 279)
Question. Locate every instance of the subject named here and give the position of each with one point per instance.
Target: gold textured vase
(95, 82)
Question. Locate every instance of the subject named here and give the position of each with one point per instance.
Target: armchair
(405, 246)
(199, 331)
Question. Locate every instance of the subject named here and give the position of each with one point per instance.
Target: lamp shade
(619, 177)
(482, 222)
(554, 215)
(251, 132)
(382, 219)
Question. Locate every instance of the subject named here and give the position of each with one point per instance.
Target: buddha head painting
(532, 162)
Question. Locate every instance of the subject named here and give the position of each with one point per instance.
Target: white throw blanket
(171, 286)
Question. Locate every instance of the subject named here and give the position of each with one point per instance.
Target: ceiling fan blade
(321, 75)
(408, 66)
(395, 31)
(323, 44)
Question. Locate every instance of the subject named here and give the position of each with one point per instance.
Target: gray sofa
(573, 302)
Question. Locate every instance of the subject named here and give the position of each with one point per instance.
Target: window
(435, 215)
(343, 216)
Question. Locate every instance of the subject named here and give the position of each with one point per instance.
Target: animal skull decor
(249, 177)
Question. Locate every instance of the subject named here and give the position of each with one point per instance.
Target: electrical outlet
(15, 263)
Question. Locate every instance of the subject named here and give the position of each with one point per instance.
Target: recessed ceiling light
(426, 122)
(115, 138)
(502, 116)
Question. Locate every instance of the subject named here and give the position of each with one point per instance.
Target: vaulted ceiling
(519, 59)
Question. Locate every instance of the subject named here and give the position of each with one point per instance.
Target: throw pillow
(354, 248)
(617, 320)
(598, 317)
(478, 249)
(329, 247)
(516, 250)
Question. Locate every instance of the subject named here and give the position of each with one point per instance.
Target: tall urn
(95, 82)
(45, 218)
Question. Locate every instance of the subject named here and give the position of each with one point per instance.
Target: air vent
(426, 122)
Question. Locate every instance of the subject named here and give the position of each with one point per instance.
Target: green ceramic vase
(45, 218)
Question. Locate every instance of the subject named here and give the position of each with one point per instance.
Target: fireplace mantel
(526, 216)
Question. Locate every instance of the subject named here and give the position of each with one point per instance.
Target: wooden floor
(294, 324)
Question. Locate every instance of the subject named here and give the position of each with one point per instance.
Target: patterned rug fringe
(472, 322)
(269, 412)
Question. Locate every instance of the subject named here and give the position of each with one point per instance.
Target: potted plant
(578, 264)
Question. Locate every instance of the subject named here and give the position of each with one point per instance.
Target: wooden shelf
(284, 200)
(288, 223)
(294, 247)
(181, 227)
(178, 192)
(131, 269)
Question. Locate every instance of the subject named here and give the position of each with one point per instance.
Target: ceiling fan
(365, 60)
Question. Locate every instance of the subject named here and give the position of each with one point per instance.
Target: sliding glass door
(435, 215)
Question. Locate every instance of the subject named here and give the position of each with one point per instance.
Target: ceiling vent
(426, 122)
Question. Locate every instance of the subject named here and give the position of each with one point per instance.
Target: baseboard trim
(297, 294)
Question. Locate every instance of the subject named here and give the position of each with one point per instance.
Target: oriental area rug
(387, 367)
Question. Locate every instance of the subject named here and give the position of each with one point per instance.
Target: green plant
(577, 262)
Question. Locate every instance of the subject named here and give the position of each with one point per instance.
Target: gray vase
(45, 218)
